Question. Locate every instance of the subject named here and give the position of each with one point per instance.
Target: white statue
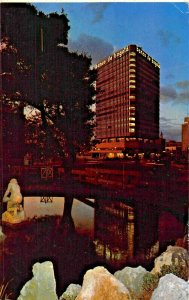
(13, 197)
(2, 235)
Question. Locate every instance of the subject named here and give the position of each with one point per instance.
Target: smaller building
(185, 135)
(173, 146)
(130, 147)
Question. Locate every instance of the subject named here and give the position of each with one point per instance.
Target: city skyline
(161, 29)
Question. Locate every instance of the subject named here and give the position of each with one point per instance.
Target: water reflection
(121, 234)
(82, 214)
(41, 206)
(114, 232)
(80, 236)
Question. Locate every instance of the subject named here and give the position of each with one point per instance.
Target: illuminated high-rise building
(127, 102)
(185, 135)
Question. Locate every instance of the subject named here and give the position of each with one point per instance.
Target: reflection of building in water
(146, 227)
(114, 232)
(153, 251)
(124, 234)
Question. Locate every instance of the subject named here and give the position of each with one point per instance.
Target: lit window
(131, 130)
(132, 119)
(132, 59)
(132, 86)
(132, 97)
(132, 81)
(132, 54)
(132, 70)
(132, 65)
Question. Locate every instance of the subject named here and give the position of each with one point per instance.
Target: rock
(99, 284)
(174, 258)
(132, 278)
(71, 292)
(42, 286)
(171, 287)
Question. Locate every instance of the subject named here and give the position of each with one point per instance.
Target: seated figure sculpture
(13, 197)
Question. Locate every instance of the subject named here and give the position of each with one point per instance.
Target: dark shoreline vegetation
(54, 239)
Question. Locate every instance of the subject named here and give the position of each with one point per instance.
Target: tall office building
(127, 102)
(185, 135)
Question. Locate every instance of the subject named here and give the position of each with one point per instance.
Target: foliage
(177, 270)
(3, 293)
(39, 72)
(150, 282)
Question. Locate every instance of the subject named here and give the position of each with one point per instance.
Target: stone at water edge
(71, 292)
(99, 284)
(171, 287)
(132, 278)
(42, 286)
(173, 256)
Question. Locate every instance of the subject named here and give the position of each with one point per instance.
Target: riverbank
(167, 280)
(113, 242)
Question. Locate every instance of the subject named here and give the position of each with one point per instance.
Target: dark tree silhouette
(38, 71)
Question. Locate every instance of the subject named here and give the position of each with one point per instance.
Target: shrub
(3, 293)
(177, 270)
(150, 282)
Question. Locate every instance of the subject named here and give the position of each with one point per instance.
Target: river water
(108, 233)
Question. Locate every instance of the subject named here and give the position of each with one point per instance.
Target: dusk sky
(161, 29)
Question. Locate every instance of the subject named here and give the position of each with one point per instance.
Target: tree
(43, 74)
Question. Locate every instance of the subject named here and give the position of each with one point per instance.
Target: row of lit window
(113, 81)
(113, 119)
(132, 71)
(109, 97)
(120, 104)
(116, 101)
(111, 116)
(114, 76)
(114, 64)
(113, 67)
(115, 73)
(132, 59)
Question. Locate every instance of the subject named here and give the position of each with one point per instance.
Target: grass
(3, 289)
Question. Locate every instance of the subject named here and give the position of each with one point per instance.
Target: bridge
(132, 183)
(164, 196)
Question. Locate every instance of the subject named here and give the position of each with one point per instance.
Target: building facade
(185, 135)
(127, 101)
